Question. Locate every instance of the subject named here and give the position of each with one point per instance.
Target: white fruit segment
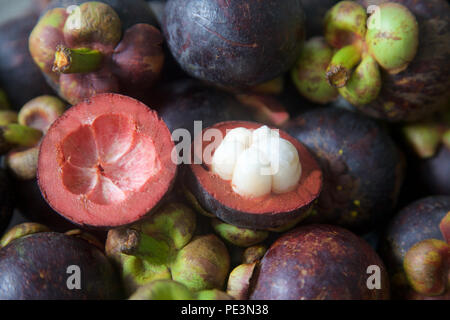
(257, 162)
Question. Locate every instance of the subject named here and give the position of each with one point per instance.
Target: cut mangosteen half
(106, 162)
(252, 176)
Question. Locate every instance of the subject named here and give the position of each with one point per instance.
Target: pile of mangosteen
(219, 150)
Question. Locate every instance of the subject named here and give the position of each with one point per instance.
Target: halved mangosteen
(255, 177)
(106, 162)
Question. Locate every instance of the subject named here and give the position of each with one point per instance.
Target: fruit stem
(24, 136)
(343, 61)
(80, 60)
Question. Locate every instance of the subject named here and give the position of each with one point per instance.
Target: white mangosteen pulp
(257, 162)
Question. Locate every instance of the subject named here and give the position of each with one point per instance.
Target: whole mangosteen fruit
(318, 262)
(39, 264)
(417, 222)
(89, 47)
(422, 87)
(234, 43)
(361, 164)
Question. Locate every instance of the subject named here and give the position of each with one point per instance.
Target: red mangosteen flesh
(260, 210)
(106, 162)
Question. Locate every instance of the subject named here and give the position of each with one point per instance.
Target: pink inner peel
(107, 160)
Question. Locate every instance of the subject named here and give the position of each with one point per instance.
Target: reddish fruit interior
(307, 190)
(111, 163)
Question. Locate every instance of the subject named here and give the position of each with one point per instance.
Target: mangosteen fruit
(89, 47)
(55, 266)
(387, 58)
(319, 262)
(19, 76)
(164, 246)
(232, 43)
(113, 160)
(361, 165)
(251, 176)
(417, 222)
(163, 290)
(422, 87)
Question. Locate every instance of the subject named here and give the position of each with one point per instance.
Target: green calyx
(20, 231)
(93, 22)
(345, 22)
(163, 290)
(14, 134)
(424, 138)
(393, 36)
(163, 247)
(81, 60)
(308, 74)
(427, 265)
(173, 290)
(7, 117)
(239, 281)
(23, 163)
(40, 112)
(240, 237)
(340, 68)
(388, 38)
(364, 84)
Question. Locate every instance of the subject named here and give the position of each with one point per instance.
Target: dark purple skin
(362, 167)
(35, 268)
(33, 207)
(416, 222)
(315, 11)
(6, 200)
(232, 42)
(423, 87)
(181, 103)
(19, 76)
(318, 262)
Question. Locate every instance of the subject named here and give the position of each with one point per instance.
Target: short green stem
(80, 60)
(341, 65)
(24, 136)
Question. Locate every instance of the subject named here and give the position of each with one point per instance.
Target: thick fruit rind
(144, 124)
(233, 209)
